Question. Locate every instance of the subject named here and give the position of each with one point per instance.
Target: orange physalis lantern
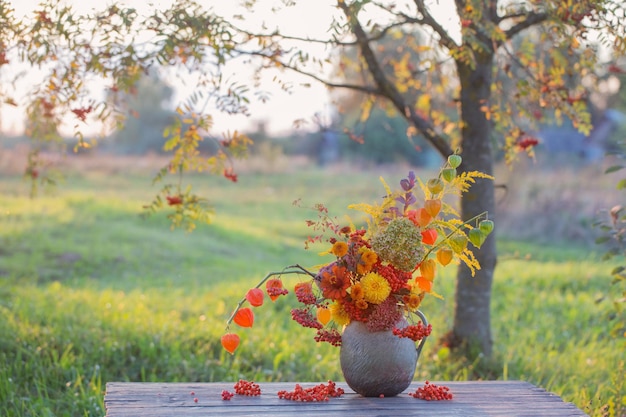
(244, 317)
(427, 269)
(429, 236)
(323, 315)
(230, 341)
(419, 217)
(255, 297)
(444, 256)
(274, 288)
(433, 207)
(304, 287)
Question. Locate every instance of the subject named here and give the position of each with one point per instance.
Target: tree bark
(472, 323)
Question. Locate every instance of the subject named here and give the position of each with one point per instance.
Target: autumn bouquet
(379, 274)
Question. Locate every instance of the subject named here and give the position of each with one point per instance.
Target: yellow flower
(339, 314)
(363, 269)
(339, 249)
(376, 289)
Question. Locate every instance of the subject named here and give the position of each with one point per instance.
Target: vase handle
(421, 343)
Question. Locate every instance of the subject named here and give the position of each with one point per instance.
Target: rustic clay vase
(377, 363)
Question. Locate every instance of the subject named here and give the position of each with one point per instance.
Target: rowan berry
(304, 318)
(248, 388)
(317, 393)
(413, 332)
(331, 336)
(432, 392)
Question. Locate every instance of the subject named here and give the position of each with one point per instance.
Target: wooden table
(484, 398)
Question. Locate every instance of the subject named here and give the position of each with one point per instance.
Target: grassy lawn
(91, 293)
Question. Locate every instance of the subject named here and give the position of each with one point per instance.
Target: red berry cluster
(249, 388)
(303, 317)
(432, 392)
(306, 297)
(275, 291)
(331, 336)
(414, 332)
(355, 313)
(357, 237)
(396, 278)
(226, 395)
(317, 393)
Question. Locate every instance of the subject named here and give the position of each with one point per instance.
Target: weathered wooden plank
(475, 398)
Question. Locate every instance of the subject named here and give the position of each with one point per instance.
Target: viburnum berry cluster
(318, 393)
(227, 395)
(432, 392)
(304, 318)
(331, 336)
(248, 388)
(414, 332)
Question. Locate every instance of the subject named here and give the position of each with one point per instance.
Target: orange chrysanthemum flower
(367, 260)
(413, 300)
(339, 249)
(356, 291)
(369, 257)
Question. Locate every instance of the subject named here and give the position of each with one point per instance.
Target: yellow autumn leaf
(423, 102)
(366, 109)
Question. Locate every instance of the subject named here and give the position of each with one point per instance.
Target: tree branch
(445, 38)
(532, 18)
(388, 90)
(335, 42)
(357, 87)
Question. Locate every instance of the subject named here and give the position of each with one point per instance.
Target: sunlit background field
(91, 293)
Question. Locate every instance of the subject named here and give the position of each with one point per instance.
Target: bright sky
(309, 17)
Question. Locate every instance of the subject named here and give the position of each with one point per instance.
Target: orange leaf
(244, 317)
(255, 297)
(230, 341)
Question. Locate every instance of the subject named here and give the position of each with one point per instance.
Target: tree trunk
(472, 323)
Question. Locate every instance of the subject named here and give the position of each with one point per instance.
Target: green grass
(90, 293)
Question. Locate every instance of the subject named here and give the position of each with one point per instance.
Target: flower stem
(452, 233)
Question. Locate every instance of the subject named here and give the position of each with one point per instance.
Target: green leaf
(614, 168)
(621, 185)
(617, 270)
(602, 239)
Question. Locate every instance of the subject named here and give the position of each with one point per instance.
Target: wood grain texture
(475, 398)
